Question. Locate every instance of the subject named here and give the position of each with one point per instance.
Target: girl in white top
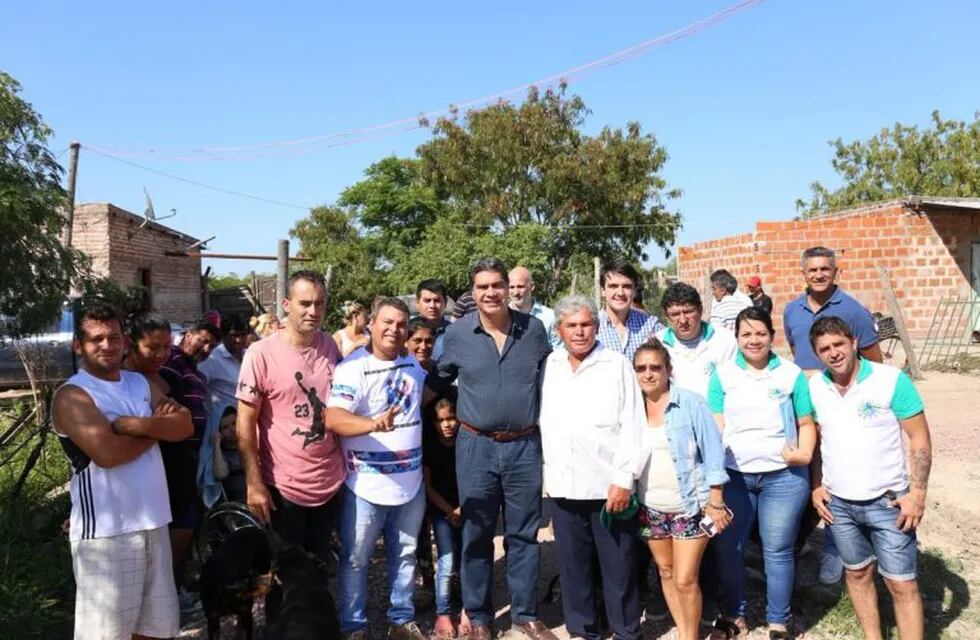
(353, 335)
(680, 483)
(762, 404)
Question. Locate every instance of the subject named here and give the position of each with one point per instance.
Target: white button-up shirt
(592, 422)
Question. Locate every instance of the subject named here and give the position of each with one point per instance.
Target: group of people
(646, 440)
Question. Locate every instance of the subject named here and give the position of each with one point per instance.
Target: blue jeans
(777, 498)
(361, 522)
(867, 530)
(492, 475)
(449, 540)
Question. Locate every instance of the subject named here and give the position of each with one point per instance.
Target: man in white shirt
(592, 421)
(861, 486)
(522, 299)
(728, 300)
(695, 346)
(374, 406)
(224, 364)
(109, 422)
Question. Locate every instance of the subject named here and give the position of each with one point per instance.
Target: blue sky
(745, 108)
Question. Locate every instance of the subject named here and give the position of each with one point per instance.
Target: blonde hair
(264, 324)
(351, 309)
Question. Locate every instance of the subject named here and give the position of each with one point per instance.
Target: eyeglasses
(653, 368)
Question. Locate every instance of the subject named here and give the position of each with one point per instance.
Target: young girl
(439, 471)
(227, 461)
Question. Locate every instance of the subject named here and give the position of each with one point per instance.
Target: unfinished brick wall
(119, 248)
(926, 252)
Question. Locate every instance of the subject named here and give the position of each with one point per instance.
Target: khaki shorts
(125, 585)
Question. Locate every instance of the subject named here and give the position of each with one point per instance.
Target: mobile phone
(708, 525)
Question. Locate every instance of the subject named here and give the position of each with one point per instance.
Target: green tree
(507, 166)
(226, 280)
(940, 160)
(36, 269)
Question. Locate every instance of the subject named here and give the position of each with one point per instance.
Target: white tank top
(129, 497)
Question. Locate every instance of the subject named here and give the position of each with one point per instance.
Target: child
(439, 471)
(227, 460)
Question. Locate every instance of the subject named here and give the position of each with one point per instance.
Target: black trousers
(580, 538)
(309, 527)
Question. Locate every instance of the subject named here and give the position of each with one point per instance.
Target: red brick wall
(927, 255)
(119, 248)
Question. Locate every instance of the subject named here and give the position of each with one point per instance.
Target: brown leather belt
(500, 436)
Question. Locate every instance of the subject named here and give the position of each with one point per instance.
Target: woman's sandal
(725, 629)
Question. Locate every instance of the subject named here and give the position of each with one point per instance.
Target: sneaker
(190, 602)
(405, 631)
(831, 567)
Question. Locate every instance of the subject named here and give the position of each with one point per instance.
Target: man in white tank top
(109, 422)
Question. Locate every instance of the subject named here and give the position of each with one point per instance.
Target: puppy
(237, 571)
(308, 611)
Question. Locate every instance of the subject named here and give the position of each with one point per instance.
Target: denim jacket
(695, 447)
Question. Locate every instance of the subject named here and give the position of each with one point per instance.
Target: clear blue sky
(745, 108)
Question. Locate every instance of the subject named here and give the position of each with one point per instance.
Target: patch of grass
(945, 592)
(37, 590)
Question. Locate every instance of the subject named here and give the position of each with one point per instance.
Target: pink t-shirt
(290, 385)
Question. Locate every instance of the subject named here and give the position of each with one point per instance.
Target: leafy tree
(940, 160)
(505, 165)
(225, 280)
(36, 269)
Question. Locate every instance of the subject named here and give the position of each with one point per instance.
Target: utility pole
(72, 175)
(282, 273)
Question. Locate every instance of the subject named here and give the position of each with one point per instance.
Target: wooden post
(72, 177)
(206, 290)
(595, 282)
(327, 279)
(282, 274)
(574, 288)
(896, 313)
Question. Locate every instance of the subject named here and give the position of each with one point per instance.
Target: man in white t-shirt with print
(861, 485)
(696, 347)
(374, 406)
(109, 422)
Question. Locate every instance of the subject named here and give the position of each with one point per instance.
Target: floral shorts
(655, 525)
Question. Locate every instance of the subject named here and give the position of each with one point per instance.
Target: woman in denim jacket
(681, 482)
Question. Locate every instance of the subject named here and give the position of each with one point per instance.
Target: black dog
(308, 611)
(237, 571)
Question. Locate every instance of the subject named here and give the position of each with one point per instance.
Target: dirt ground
(948, 540)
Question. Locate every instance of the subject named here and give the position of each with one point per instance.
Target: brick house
(131, 251)
(930, 247)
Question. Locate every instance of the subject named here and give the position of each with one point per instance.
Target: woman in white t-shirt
(762, 404)
(680, 483)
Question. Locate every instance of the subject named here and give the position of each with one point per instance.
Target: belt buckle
(503, 436)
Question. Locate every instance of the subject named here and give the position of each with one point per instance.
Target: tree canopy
(36, 269)
(522, 182)
(940, 160)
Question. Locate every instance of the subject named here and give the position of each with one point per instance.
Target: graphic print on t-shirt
(313, 405)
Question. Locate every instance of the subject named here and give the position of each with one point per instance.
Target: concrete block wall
(926, 252)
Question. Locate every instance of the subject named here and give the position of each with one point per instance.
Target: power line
(410, 123)
(229, 192)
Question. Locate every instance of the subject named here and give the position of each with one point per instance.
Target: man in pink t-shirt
(293, 466)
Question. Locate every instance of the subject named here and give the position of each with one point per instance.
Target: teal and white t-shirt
(760, 409)
(861, 443)
(383, 467)
(693, 363)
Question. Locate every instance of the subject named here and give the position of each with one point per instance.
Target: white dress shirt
(592, 422)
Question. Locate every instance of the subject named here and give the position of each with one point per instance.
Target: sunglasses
(653, 368)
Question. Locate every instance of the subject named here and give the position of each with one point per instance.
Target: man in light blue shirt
(522, 299)
(621, 327)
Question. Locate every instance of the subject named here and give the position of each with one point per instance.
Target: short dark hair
(389, 301)
(304, 274)
(818, 252)
(140, 325)
(421, 323)
(434, 285)
(619, 267)
(681, 293)
(756, 314)
(829, 325)
(655, 345)
(97, 311)
(206, 325)
(724, 279)
(234, 323)
(489, 264)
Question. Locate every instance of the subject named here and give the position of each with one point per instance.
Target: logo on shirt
(343, 392)
(778, 394)
(398, 389)
(869, 409)
(314, 406)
